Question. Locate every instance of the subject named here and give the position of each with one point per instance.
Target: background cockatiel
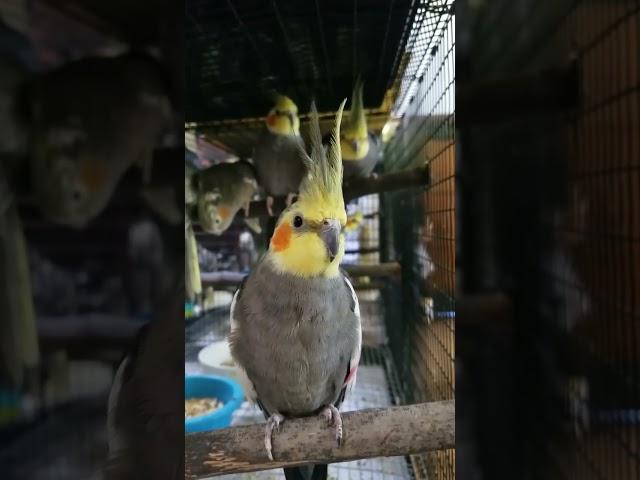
(295, 321)
(193, 282)
(354, 221)
(361, 149)
(190, 193)
(90, 121)
(222, 190)
(277, 154)
(145, 423)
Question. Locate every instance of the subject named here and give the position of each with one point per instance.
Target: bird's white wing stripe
(242, 378)
(355, 358)
(116, 439)
(354, 296)
(232, 308)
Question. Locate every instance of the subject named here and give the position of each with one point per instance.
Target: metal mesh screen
(557, 192)
(419, 224)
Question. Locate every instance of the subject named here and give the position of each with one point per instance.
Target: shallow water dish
(228, 391)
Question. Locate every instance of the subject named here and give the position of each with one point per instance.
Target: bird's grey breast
(279, 163)
(294, 337)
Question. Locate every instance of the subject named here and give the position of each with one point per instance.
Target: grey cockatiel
(277, 158)
(361, 149)
(295, 321)
(222, 190)
(90, 121)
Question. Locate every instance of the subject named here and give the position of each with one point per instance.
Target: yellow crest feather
(357, 118)
(323, 182)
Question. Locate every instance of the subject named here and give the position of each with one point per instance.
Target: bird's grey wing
(354, 360)
(374, 156)
(247, 384)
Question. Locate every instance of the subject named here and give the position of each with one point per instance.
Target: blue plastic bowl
(224, 389)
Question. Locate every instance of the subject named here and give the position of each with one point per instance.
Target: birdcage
(400, 238)
(548, 120)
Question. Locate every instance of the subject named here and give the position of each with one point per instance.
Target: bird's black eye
(297, 221)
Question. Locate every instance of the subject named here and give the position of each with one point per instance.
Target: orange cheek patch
(271, 120)
(281, 237)
(224, 212)
(93, 175)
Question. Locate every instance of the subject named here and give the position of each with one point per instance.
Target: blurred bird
(247, 253)
(278, 153)
(361, 149)
(190, 193)
(354, 221)
(295, 321)
(193, 282)
(145, 423)
(223, 190)
(91, 120)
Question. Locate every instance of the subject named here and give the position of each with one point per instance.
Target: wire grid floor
(377, 386)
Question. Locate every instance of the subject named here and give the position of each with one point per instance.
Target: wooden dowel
(380, 432)
(224, 279)
(389, 269)
(359, 187)
(417, 177)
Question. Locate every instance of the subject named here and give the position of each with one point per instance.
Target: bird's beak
(355, 144)
(330, 235)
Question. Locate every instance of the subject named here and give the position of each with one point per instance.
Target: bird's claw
(273, 423)
(334, 419)
(270, 205)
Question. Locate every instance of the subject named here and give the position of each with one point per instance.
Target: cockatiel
(190, 193)
(295, 321)
(91, 120)
(193, 282)
(222, 190)
(361, 149)
(354, 221)
(277, 158)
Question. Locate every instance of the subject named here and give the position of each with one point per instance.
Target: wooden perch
(380, 432)
(417, 177)
(222, 280)
(362, 251)
(388, 269)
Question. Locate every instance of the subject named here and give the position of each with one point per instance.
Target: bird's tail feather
(306, 472)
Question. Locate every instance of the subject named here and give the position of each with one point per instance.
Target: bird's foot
(272, 424)
(333, 418)
(270, 205)
(290, 198)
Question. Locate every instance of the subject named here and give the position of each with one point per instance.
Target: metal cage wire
(564, 237)
(419, 225)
